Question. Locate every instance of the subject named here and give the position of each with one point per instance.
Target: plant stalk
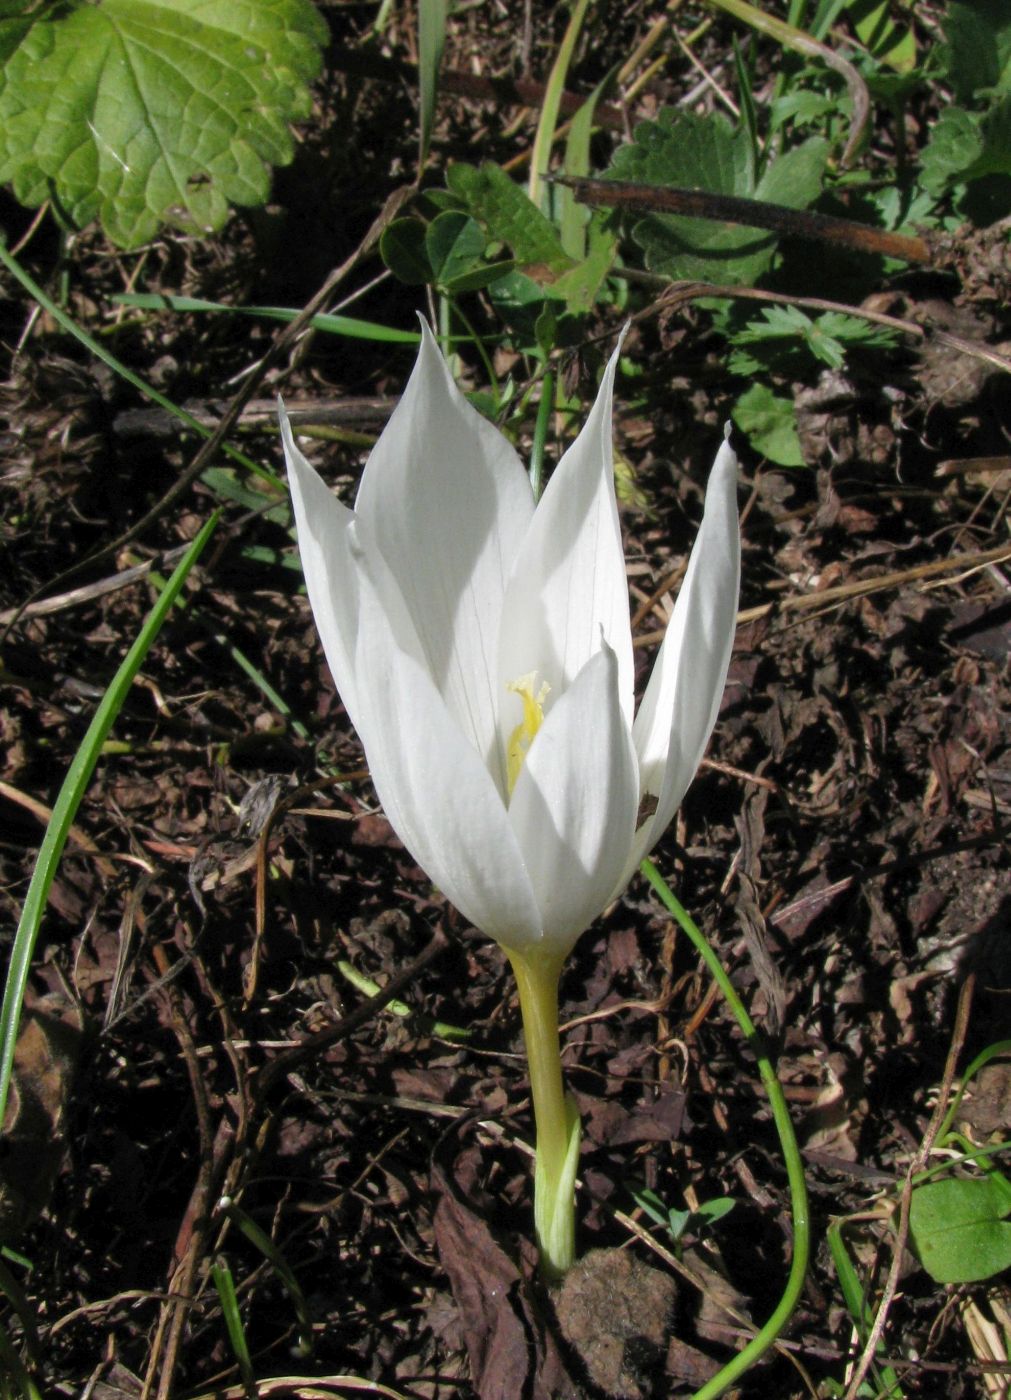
(555, 1115)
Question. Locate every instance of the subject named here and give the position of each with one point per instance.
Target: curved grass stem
(766, 1336)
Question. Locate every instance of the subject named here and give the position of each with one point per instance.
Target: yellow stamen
(523, 735)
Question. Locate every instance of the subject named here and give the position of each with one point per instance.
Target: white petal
(569, 593)
(683, 697)
(325, 528)
(574, 806)
(437, 793)
(447, 502)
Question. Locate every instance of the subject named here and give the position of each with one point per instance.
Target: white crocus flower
(482, 648)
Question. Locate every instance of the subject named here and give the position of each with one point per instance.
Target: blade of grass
(544, 408)
(248, 667)
(426, 1024)
(15, 1382)
(225, 1284)
(431, 41)
(66, 805)
(796, 39)
(571, 215)
(856, 1302)
(283, 1269)
(1000, 1047)
(334, 325)
(551, 105)
(766, 1336)
(148, 390)
(15, 1296)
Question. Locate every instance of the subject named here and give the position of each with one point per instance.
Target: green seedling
(679, 1223)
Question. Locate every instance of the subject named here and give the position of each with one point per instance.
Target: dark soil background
(844, 847)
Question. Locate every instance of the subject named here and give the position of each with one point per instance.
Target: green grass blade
(99, 351)
(65, 809)
(572, 215)
(333, 325)
(856, 1304)
(225, 1284)
(282, 1268)
(1000, 1047)
(248, 667)
(548, 121)
(766, 1335)
(15, 1296)
(431, 40)
(544, 409)
(15, 1382)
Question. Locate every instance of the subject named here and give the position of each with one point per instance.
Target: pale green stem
(555, 1116)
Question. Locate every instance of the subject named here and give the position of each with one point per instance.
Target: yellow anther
(533, 717)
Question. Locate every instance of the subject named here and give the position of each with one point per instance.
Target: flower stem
(555, 1115)
(767, 1335)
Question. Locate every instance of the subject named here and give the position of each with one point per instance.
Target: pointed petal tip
(726, 457)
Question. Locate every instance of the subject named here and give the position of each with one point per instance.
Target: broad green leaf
(581, 284)
(454, 244)
(784, 338)
(768, 423)
(447, 253)
(794, 180)
(146, 112)
(967, 150)
(956, 143)
(482, 275)
(800, 107)
(680, 148)
(690, 152)
(403, 248)
(959, 1228)
(509, 216)
(875, 28)
(978, 53)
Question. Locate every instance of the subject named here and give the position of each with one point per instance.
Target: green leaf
(973, 151)
(454, 244)
(403, 247)
(956, 143)
(801, 107)
(509, 216)
(706, 153)
(885, 40)
(711, 1211)
(978, 54)
(784, 337)
(581, 284)
(146, 112)
(959, 1228)
(480, 276)
(795, 179)
(768, 423)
